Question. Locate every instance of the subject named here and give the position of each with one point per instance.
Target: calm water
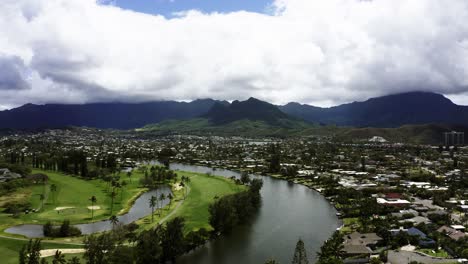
(289, 211)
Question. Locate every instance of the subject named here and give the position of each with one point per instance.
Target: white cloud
(313, 51)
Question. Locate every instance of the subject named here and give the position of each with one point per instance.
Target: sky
(169, 7)
(319, 52)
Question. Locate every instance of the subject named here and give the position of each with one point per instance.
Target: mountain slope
(251, 109)
(101, 115)
(250, 118)
(417, 134)
(386, 111)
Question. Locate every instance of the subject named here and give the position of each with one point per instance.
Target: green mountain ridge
(248, 118)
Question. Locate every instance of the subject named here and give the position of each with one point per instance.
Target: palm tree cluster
(155, 176)
(158, 203)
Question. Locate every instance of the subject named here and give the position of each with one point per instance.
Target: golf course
(70, 199)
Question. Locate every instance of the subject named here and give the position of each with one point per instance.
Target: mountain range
(386, 111)
(382, 112)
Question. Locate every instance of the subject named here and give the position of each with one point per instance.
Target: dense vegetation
(64, 230)
(232, 210)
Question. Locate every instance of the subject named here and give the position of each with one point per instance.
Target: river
(289, 211)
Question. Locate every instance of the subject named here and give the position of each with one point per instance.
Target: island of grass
(70, 200)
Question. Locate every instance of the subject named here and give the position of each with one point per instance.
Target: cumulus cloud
(322, 52)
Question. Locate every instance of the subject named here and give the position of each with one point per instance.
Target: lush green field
(72, 197)
(74, 192)
(204, 189)
(435, 253)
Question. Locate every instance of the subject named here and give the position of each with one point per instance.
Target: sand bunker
(95, 207)
(51, 252)
(178, 187)
(63, 208)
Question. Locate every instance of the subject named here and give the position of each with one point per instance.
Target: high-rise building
(454, 138)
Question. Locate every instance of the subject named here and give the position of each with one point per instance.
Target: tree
(98, 249)
(122, 187)
(162, 197)
(184, 182)
(53, 190)
(170, 197)
(93, 200)
(47, 229)
(152, 203)
(74, 260)
(332, 250)
(59, 258)
(42, 198)
(148, 246)
(30, 253)
(129, 175)
(121, 255)
(65, 228)
(114, 221)
(113, 194)
(245, 179)
(173, 242)
(300, 254)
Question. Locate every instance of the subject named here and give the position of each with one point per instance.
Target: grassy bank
(203, 190)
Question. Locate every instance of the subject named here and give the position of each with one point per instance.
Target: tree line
(235, 209)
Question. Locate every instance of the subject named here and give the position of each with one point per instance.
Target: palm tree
(122, 187)
(182, 184)
(152, 203)
(114, 220)
(129, 175)
(113, 194)
(42, 198)
(59, 258)
(162, 197)
(93, 200)
(53, 189)
(185, 180)
(170, 197)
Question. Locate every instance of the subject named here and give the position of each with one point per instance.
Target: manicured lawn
(9, 249)
(203, 191)
(73, 193)
(437, 253)
(349, 224)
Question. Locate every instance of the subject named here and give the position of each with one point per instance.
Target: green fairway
(72, 199)
(74, 192)
(204, 189)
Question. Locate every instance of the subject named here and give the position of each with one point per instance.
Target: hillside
(101, 115)
(386, 111)
(416, 134)
(249, 118)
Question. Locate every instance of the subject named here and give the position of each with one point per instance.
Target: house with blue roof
(424, 241)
